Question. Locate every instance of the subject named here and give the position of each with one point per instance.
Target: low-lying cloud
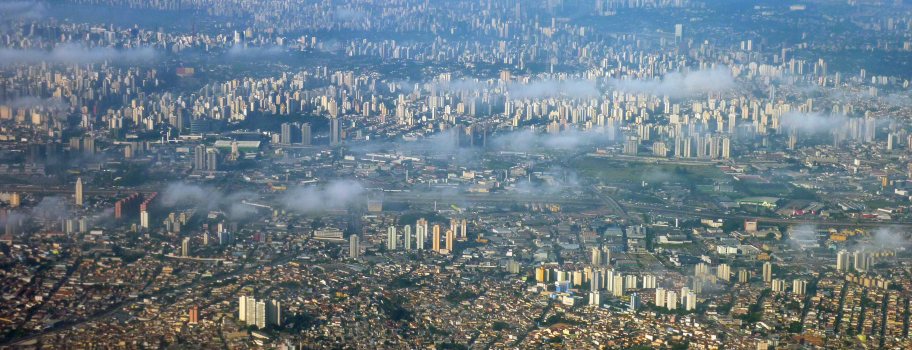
(240, 51)
(76, 54)
(680, 85)
(337, 194)
(209, 198)
(548, 88)
(811, 122)
(31, 102)
(532, 141)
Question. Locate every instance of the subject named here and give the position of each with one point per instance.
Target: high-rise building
(79, 198)
(660, 297)
(630, 282)
(799, 287)
(861, 261)
(596, 282)
(649, 282)
(463, 229)
(335, 136)
(144, 219)
(767, 272)
(454, 226)
(617, 288)
(15, 200)
(723, 272)
(606, 255)
(701, 269)
(671, 300)
(212, 159)
(450, 237)
(407, 237)
(420, 233)
(391, 238)
(435, 239)
(689, 300)
(285, 136)
(194, 314)
(274, 314)
(185, 247)
(842, 260)
(306, 136)
(354, 247)
(634, 302)
(596, 256)
(260, 318)
(199, 158)
(743, 276)
(778, 285)
(251, 310)
(595, 298)
(242, 308)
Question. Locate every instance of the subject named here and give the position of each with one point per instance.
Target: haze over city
(455, 174)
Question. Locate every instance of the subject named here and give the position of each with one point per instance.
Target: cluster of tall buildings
(260, 313)
(205, 158)
(670, 299)
(860, 260)
(295, 133)
(418, 240)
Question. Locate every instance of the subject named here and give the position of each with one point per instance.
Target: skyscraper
(391, 238)
(450, 237)
(260, 316)
(660, 297)
(185, 247)
(799, 287)
(723, 272)
(861, 261)
(671, 300)
(407, 237)
(335, 136)
(242, 308)
(285, 136)
(435, 241)
(842, 260)
(596, 256)
(690, 300)
(618, 285)
(767, 272)
(306, 138)
(354, 247)
(194, 314)
(79, 198)
(199, 158)
(251, 310)
(144, 219)
(421, 233)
